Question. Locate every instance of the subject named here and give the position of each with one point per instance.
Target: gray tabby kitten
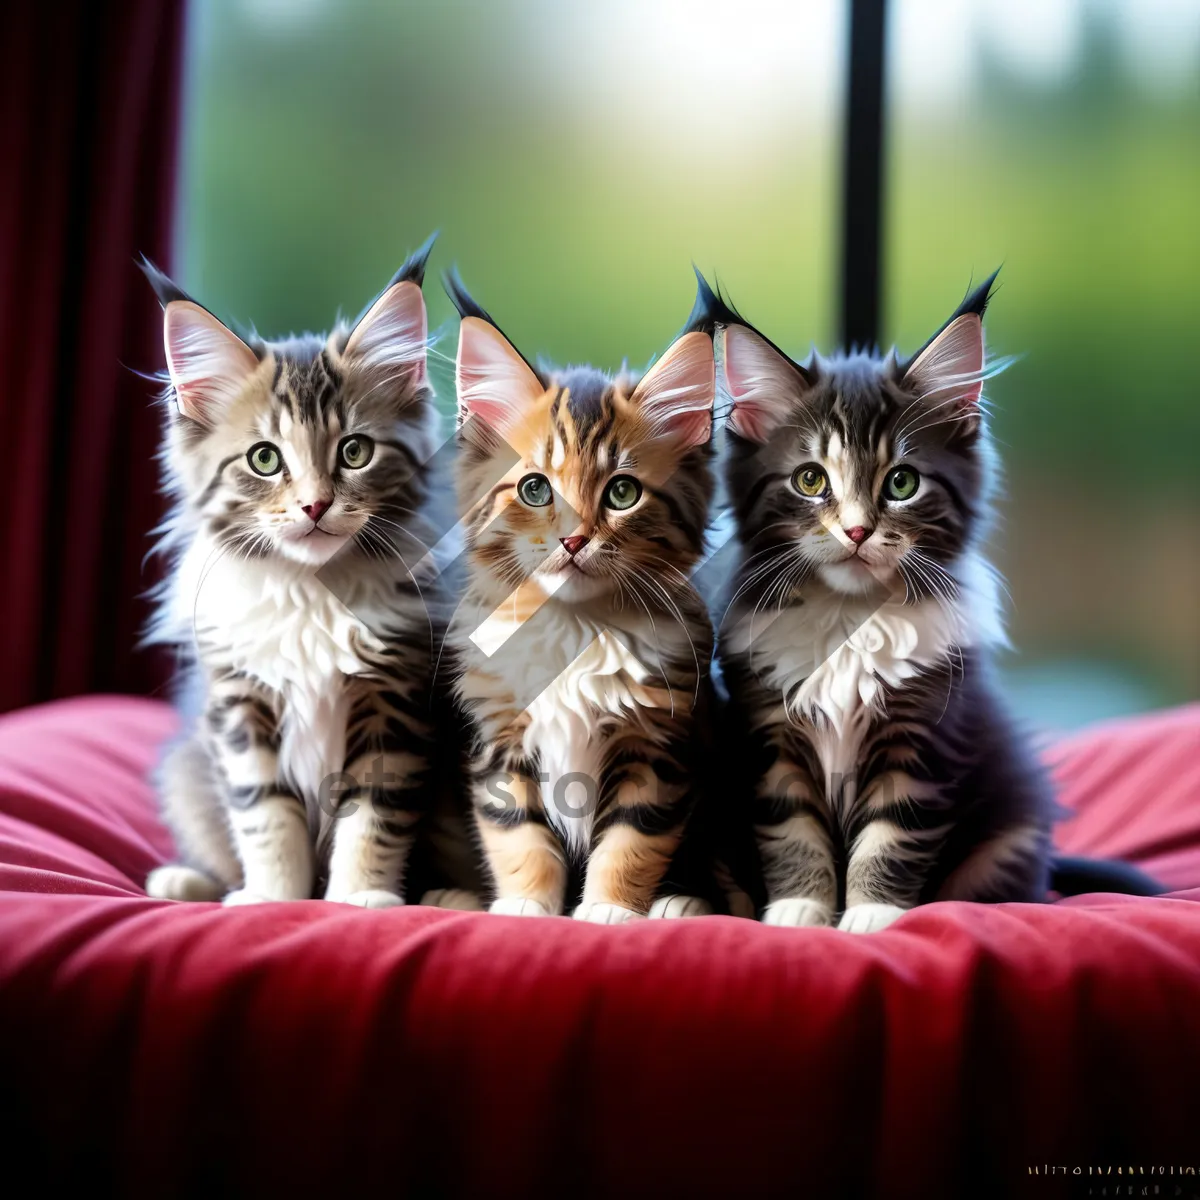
(296, 468)
(857, 647)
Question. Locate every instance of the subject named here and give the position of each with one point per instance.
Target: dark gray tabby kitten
(297, 472)
(858, 642)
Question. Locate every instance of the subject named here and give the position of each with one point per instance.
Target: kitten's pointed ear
(677, 392)
(208, 363)
(950, 365)
(763, 383)
(392, 333)
(495, 384)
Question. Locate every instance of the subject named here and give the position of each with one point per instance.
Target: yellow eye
(809, 480)
(901, 484)
(356, 452)
(264, 459)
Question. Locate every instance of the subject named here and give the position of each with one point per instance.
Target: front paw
(458, 899)
(797, 911)
(605, 914)
(372, 898)
(177, 882)
(673, 908)
(869, 918)
(518, 906)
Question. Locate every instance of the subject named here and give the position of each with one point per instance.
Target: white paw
(797, 911)
(605, 914)
(242, 896)
(373, 898)
(458, 899)
(869, 918)
(671, 908)
(177, 882)
(518, 906)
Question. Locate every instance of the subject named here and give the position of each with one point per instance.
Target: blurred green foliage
(316, 158)
(1087, 193)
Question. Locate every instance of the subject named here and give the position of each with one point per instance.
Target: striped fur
(305, 640)
(584, 673)
(860, 625)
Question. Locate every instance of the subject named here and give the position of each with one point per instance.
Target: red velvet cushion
(150, 1048)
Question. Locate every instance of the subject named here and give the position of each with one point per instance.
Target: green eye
(622, 492)
(264, 459)
(809, 480)
(356, 452)
(901, 484)
(535, 491)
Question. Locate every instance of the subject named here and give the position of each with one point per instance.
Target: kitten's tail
(1071, 875)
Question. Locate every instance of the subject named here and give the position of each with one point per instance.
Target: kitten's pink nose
(573, 545)
(858, 534)
(316, 510)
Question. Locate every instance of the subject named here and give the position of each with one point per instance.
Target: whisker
(683, 626)
(654, 632)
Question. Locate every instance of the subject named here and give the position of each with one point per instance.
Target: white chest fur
(284, 626)
(580, 673)
(833, 658)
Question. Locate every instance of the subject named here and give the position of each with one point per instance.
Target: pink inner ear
(494, 382)
(750, 422)
(762, 384)
(951, 366)
(677, 392)
(208, 363)
(394, 331)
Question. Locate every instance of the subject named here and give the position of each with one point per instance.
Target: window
(1059, 137)
(577, 157)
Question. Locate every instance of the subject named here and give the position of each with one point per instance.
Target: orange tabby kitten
(582, 650)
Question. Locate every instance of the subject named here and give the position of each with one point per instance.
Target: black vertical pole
(862, 176)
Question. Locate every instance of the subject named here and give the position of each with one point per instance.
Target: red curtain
(89, 106)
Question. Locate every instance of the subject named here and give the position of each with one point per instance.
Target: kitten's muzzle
(316, 510)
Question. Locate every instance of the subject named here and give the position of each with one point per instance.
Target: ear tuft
(710, 308)
(393, 332)
(464, 303)
(677, 392)
(494, 382)
(208, 363)
(165, 288)
(763, 383)
(412, 269)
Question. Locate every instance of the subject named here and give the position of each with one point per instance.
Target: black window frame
(861, 235)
